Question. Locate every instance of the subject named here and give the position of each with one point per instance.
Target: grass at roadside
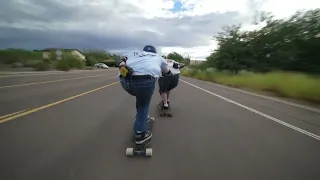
(292, 85)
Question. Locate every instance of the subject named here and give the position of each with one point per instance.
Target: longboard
(141, 149)
(164, 112)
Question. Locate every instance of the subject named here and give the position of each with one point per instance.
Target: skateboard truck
(142, 149)
(139, 150)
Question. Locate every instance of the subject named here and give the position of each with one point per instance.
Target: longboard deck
(141, 149)
(164, 112)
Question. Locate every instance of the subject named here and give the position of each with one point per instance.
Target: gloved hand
(125, 70)
(176, 65)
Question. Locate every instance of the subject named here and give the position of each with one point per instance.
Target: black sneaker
(161, 104)
(141, 138)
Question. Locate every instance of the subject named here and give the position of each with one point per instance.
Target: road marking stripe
(306, 107)
(11, 114)
(258, 112)
(45, 82)
(53, 104)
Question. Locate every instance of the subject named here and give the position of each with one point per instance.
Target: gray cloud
(112, 26)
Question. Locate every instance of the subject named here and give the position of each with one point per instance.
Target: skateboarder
(138, 73)
(166, 84)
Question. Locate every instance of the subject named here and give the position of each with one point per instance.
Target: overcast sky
(185, 26)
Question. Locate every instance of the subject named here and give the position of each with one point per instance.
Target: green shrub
(73, 61)
(68, 62)
(88, 68)
(10, 56)
(41, 66)
(62, 65)
(91, 61)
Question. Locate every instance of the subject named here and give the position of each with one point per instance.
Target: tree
(175, 56)
(187, 60)
(284, 44)
(179, 58)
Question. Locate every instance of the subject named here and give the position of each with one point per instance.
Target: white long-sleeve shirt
(146, 63)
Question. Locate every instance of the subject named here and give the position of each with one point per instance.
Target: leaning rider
(138, 73)
(167, 84)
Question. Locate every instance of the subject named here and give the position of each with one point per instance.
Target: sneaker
(141, 138)
(150, 118)
(161, 104)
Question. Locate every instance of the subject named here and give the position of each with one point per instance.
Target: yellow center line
(17, 114)
(11, 114)
(45, 82)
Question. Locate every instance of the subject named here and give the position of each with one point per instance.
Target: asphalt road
(66, 128)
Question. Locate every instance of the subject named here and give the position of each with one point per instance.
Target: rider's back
(144, 63)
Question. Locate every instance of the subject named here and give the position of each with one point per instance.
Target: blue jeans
(143, 90)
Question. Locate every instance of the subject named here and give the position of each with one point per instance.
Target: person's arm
(164, 68)
(181, 65)
(177, 65)
(124, 69)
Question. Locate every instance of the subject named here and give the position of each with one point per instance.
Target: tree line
(97, 56)
(27, 57)
(179, 58)
(291, 44)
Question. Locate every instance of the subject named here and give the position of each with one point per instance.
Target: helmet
(149, 48)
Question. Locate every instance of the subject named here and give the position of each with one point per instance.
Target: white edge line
(309, 108)
(270, 98)
(258, 112)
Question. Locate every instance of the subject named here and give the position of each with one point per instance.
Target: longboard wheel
(149, 152)
(129, 151)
